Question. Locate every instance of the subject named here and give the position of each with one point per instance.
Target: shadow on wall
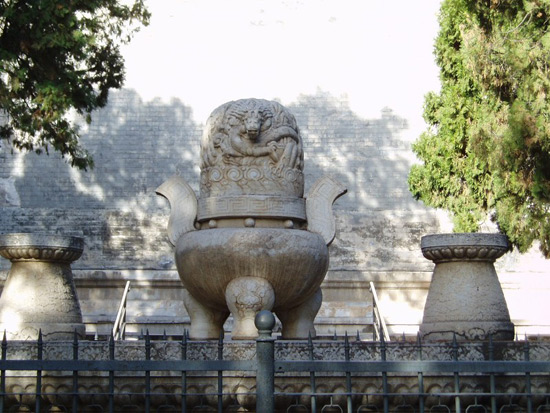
(379, 224)
(131, 142)
(137, 145)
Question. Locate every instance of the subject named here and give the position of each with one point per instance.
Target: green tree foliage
(58, 56)
(487, 147)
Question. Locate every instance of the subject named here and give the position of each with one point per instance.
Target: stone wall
(137, 145)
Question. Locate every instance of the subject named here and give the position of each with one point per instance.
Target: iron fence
(346, 375)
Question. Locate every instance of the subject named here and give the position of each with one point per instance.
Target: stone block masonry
(137, 145)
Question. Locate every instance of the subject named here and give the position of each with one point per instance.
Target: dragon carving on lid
(251, 146)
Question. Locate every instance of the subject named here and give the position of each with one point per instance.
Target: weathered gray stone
(465, 297)
(39, 294)
(258, 245)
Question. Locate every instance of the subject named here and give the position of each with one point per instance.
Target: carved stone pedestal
(465, 297)
(39, 293)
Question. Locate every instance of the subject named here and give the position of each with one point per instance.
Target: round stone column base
(465, 299)
(39, 293)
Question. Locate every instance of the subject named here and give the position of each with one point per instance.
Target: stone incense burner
(251, 241)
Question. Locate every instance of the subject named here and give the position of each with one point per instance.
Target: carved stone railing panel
(240, 386)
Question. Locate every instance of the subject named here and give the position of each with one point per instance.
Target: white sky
(378, 53)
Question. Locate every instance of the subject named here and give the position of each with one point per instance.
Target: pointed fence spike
(148, 346)
(382, 348)
(220, 346)
(310, 345)
(419, 341)
(491, 348)
(4, 345)
(111, 346)
(75, 344)
(184, 345)
(39, 345)
(419, 345)
(526, 350)
(346, 346)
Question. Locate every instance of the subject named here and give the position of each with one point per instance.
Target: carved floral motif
(460, 247)
(38, 247)
(40, 254)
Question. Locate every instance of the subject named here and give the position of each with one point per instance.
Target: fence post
(3, 373)
(40, 350)
(265, 357)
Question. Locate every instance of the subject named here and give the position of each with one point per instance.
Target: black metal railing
(186, 376)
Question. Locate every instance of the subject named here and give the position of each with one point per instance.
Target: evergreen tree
(58, 56)
(487, 147)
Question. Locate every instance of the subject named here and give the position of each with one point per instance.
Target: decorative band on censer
(252, 206)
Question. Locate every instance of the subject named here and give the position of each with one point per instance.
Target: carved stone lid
(251, 147)
(40, 247)
(464, 247)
